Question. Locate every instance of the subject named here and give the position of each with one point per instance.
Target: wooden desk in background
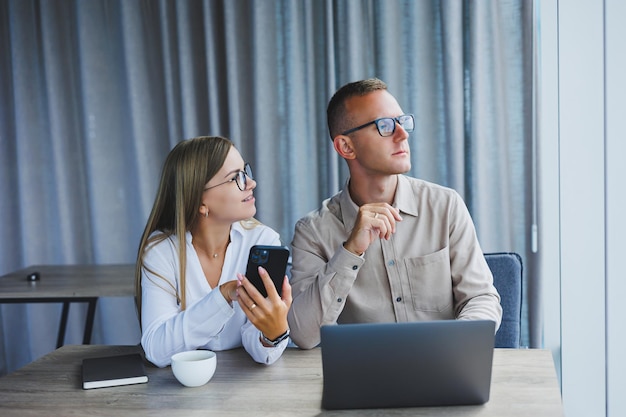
(523, 383)
(69, 284)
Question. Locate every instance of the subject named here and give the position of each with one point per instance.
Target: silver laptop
(382, 365)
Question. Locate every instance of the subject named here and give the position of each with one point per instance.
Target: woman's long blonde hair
(187, 169)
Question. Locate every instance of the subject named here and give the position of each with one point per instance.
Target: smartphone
(274, 259)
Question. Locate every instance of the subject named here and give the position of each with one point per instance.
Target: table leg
(63, 324)
(91, 314)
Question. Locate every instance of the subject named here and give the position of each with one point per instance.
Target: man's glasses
(387, 125)
(241, 178)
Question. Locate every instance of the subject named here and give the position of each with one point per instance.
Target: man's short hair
(336, 114)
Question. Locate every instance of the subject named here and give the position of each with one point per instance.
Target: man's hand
(373, 220)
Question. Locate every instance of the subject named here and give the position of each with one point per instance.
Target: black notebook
(112, 371)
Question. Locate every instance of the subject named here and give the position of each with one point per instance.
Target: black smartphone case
(274, 259)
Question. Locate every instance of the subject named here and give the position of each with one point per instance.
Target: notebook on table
(112, 371)
(383, 365)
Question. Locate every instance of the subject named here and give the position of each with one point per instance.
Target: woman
(189, 288)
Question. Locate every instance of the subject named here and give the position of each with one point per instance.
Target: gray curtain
(94, 93)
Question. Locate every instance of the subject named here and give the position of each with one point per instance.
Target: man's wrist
(351, 250)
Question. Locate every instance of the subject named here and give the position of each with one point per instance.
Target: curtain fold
(94, 94)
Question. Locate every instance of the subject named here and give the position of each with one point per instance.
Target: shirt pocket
(430, 281)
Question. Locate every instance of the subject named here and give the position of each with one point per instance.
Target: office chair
(507, 270)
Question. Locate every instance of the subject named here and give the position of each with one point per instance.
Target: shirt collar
(404, 200)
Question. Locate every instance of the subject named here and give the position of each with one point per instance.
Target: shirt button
(391, 263)
(399, 299)
(355, 267)
(339, 299)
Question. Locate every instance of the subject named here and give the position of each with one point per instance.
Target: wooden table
(69, 284)
(523, 384)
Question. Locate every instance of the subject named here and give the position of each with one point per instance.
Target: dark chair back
(507, 270)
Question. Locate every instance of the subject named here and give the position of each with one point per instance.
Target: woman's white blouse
(208, 322)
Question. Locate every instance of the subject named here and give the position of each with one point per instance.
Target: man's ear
(344, 147)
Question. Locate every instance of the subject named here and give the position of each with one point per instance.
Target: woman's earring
(206, 214)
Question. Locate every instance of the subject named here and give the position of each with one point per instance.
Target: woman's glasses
(241, 178)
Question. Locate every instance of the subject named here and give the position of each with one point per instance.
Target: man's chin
(403, 169)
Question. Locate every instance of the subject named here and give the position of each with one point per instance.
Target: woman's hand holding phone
(268, 314)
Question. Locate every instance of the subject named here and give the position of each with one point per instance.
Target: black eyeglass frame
(239, 176)
(396, 120)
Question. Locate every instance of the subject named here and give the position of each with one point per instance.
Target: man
(387, 247)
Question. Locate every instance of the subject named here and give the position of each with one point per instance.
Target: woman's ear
(344, 147)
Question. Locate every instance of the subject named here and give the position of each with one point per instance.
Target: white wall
(582, 149)
(615, 12)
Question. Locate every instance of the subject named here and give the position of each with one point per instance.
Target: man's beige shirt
(432, 268)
